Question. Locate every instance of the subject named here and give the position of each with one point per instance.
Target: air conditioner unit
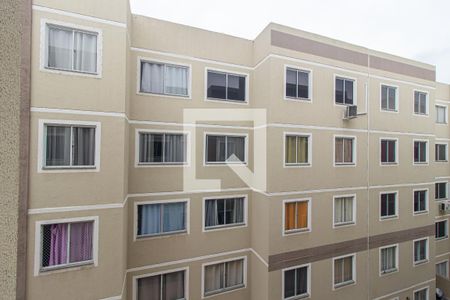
(351, 112)
(444, 206)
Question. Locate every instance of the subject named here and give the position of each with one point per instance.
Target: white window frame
(355, 89)
(137, 238)
(346, 283)
(427, 106)
(310, 84)
(41, 164)
(421, 289)
(138, 164)
(344, 224)
(310, 141)
(396, 162)
(354, 149)
(224, 163)
(226, 290)
(447, 266)
(446, 152)
(293, 232)
(425, 163)
(186, 280)
(141, 59)
(427, 254)
(397, 96)
(427, 197)
(446, 191)
(227, 226)
(230, 72)
(396, 215)
(397, 265)
(446, 114)
(308, 289)
(446, 230)
(44, 47)
(67, 267)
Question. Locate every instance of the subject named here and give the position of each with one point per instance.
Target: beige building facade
(170, 162)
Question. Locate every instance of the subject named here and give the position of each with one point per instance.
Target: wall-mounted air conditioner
(351, 112)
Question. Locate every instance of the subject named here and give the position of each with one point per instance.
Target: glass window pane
(54, 244)
(384, 97)
(289, 283)
(81, 237)
(348, 150)
(236, 147)
(60, 47)
(149, 219)
(214, 277)
(83, 146)
(217, 85)
(339, 150)
(58, 146)
(220, 212)
(234, 273)
(174, 216)
(152, 78)
(173, 286)
(291, 83)
(215, 148)
(302, 281)
(392, 96)
(176, 80)
(291, 156)
(85, 52)
(348, 92)
(149, 287)
(174, 148)
(339, 93)
(302, 149)
(303, 85)
(384, 152)
(236, 87)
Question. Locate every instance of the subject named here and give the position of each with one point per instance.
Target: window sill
(422, 212)
(302, 296)
(178, 97)
(389, 164)
(443, 238)
(161, 235)
(223, 164)
(67, 267)
(390, 110)
(71, 72)
(344, 224)
(297, 165)
(297, 99)
(223, 291)
(224, 227)
(161, 165)
(68, 169)
(420, 163)
(387, 272)
(420, 114)
(387, 218)
(242, 102)
(296, 231)
(343, 104)
(344, 284)
(345, 164)
(420, 262)
(441, 161)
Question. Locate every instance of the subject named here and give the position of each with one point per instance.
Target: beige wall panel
(260, 214)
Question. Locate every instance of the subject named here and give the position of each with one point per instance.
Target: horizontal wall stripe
(78, 16)
(303, 256)
(392, 66)
(406, 289)
(36, 211)
(443, 254)
(78, 112)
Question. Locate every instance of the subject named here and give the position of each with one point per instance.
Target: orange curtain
(289, 216)
(302, 215)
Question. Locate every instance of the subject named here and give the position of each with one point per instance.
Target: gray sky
(416, 29)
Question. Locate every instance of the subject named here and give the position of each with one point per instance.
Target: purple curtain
(58, 244)
(80, 241)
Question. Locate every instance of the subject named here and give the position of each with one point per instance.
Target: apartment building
(170, 162)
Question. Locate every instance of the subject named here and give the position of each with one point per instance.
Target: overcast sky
(416, 29)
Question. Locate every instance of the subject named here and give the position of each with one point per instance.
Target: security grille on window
(441, 152)
(388, 151)
(223, 148)
(296, 283)
(343, 210)
(226, 86)
(441, 229)
(69, 146)
(224, 277)
(224, 212)
(343, 271)
(388, 98)
(296, 216)
(440, 189)
(388, 259)
(344, 148)
(420, 251)
(297, 84)
(297, 150)
(162, 148)
(66, 244)
(420, 201)
(165, 79)
(420, 152)
(71, 49)
(388, 205)
(161, 218)
(442, 269)
(162, 287)
(441, 114)
(420, 103)
(344, 91)
(421, 295)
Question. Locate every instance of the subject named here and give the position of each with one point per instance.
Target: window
(420, 152)
(298, 84)
(164, 79)
(441, 152)
(440, 189)
(296, 282)
(225, 148)
(344, 269)
(441, 114)
(226, 86)
(421, 294)
(69, 146)
(420, 251)
(441, 231)
(296, 216)
(442, 269)
(388, 151)
(388, 259)
(420, 103)
(420, 201)
(224, 276)
(344, 210)
(224, 212)
(344, 151)
(71, 49)
(161, 218)
(297, 148)
(388, 98)
(162, 148)
(161, 287)
(67, 244)
(388, 205)
(344, 91)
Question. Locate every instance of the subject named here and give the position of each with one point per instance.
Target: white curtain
(173, 286)
(235, 273)
(150, 219)
(176, 80)
(239, 210)
(343, 209)
(174, 217)
(58, 146)
(83, 146)
(214, 277)
(85, 52)
(60, 45)
(152, 78)
(388, 258)
(175, 148)
(440, 114)
(211, 213)
(236, 146)
(149, 287)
